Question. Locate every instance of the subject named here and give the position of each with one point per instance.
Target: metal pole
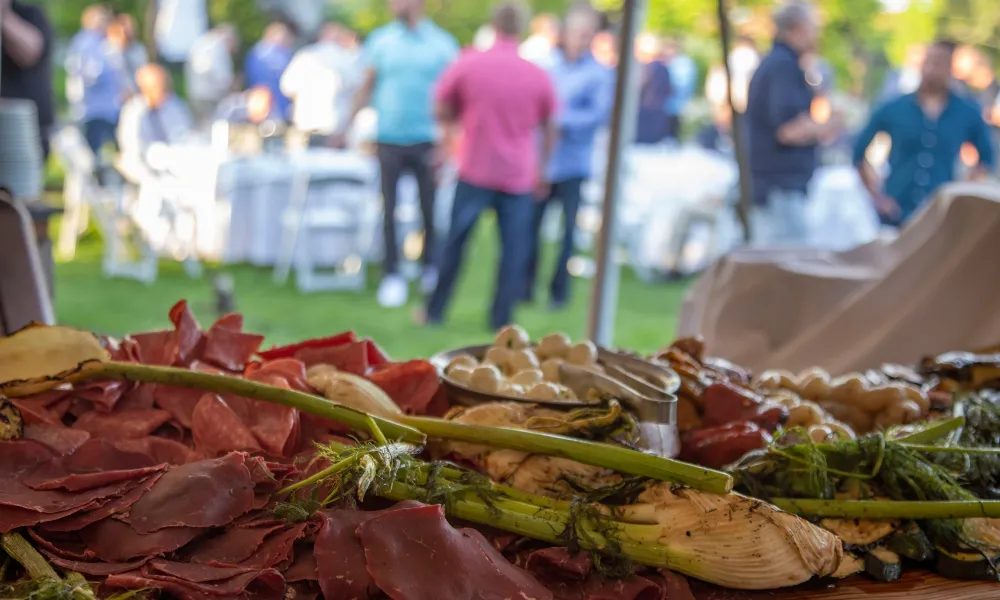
(604, 304)
(739, 145)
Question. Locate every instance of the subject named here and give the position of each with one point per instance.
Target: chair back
(24, 294)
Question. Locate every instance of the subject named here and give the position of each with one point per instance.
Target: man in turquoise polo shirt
(403, 61)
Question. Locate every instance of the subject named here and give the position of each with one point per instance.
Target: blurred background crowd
(319, 139)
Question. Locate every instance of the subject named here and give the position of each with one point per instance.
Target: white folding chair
(127, 252)
(342, 213)
(24, 294)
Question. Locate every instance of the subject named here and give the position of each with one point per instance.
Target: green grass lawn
(84, 298)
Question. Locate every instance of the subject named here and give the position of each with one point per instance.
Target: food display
(190, 463)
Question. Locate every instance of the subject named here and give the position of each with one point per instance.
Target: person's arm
(24, 42)
(595, 114)
(792, 126)
(980, 138)
(866, 171)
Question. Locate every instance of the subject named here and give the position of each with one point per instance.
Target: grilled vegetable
(351, 390)
(911, 542)
(11, 421)
(883, 564)
(965, 565)
(860, 532)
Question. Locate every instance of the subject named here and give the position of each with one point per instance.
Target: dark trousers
(514, 213)
(394, 161)
(567, 192)
(99, 132)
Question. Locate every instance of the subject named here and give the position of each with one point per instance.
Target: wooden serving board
(915, 585)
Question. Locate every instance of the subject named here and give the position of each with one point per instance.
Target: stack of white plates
(20, 149)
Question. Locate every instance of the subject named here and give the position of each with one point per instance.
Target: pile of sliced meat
(150, 487)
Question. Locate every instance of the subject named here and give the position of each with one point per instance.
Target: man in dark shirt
(928, 129)
(26, 72)
(783, 137)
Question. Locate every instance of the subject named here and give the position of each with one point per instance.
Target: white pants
(783, 221)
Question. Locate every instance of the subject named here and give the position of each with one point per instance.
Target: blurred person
(743, 62)
(502, 102)
(906, 78)
(683, 79)
(321, 81)
(403, 60)
(178, 25)
(604, 49)
(484, 38)
(208, 71)
(783, 137)
(963, 64)
(540, 47)
(717, 136)
(254, 106)
(94, 86)
(928, 129)
(653, 123)
(982, 84)
(584, 89)
(121, 57)
(154, 117)
(135, 51)
(266, 63)
(26, 67)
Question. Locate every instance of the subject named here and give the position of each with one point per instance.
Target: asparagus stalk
(890, 509)
(249, 389)
(617, 458)
(413, 429)
(43, 577)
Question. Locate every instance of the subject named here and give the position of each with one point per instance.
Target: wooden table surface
(915, 585)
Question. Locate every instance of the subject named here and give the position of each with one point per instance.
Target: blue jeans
(99, 132)
(514, 214)
(568, 192)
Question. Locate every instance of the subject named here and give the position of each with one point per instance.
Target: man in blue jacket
(584, 88)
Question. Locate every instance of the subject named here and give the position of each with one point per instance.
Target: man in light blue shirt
(585, 91)
(683, 79)
(266, 63)
(403, 61)
(93, 86)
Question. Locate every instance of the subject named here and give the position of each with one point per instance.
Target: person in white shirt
(540, 47)
(321, 81)
(209, 71)
(151, 120)
(178, 24)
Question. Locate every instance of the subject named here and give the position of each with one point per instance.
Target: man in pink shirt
(502, 102)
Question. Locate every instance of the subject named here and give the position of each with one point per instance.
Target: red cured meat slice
(208, 493)
(197, 573)
(405, 551)
(276, 549)
(560, 563)
(97, 463)
(230, 547)
(66, 546)
(122, 424)
(159, 449)
(291, 370)
(142, 396)
(217, 428)
(104, 395)
(230, 322)
(274, 427)
(157, 347)
(179, 401)
(340, 556)
(60, 439)
(411, 385)
(96, 569)
(276, 352)
(676, 587)
(188, 334)
(304, 567)
(230, 349)
(114, 541)
(352, 357)
(264, 585)
(37, 411)
(12, 517)
(118, 505)
(376, 356)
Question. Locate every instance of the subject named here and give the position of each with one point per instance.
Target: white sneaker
(428, 281)
(393, 291)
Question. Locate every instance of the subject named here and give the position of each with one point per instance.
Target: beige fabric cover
(933, 289)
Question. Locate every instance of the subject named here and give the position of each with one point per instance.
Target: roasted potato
(486, 378)
(460, 374)
(583, 354)
(497, 355)
(777, 380)
(550, 370)
(513, 337)
(543, 391)
(462, 360)
(521, 360)
(528, 377)
(554, 345)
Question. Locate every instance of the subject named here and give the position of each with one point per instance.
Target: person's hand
(887, 206)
